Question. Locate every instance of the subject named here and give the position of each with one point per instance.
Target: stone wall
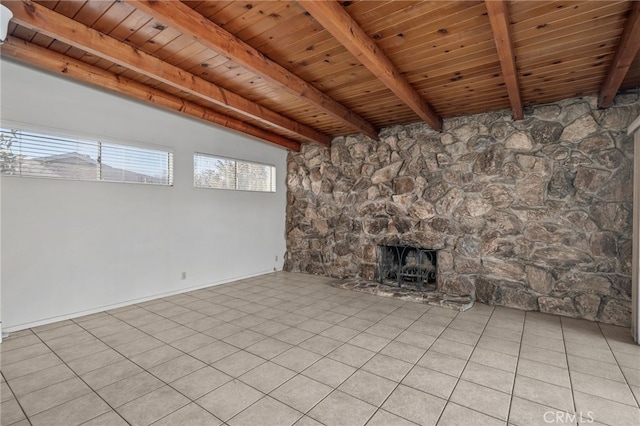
(532, 214)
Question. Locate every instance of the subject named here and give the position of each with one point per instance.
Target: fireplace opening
(407, 267)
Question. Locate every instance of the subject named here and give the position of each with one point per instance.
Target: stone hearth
(532, 214)
(430, 297)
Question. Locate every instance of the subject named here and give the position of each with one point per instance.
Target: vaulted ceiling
(289, 72)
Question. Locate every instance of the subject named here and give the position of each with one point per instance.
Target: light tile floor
(284, 349)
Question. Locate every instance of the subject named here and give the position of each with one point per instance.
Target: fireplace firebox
(406, 266)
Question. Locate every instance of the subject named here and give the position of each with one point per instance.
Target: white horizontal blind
(214, 172)
(228, 173)
(121, 163)
(36, 155)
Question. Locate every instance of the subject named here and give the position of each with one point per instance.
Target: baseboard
(97, 309)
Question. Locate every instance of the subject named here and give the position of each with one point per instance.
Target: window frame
(97, 143)
(273, 172)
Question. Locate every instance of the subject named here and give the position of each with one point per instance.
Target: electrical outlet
(183, 276)
(276, 257)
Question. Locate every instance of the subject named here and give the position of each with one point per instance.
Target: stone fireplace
(532, 214)
(407, 266)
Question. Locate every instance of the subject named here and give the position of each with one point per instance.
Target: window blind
(210, 171)
(45, 156)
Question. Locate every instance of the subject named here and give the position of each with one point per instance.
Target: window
(36, 155)
(228, 173)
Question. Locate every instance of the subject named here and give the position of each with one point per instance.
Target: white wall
(71, 247)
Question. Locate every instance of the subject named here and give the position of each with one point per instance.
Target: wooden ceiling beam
(60, 64)
(43, 20)
(332, 16)
(626, 51)
(499, 20)
(182, 18)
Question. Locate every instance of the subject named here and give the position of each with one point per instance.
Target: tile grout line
(265, 394)
(626, 380)
(414, 364)
(515, 374)
(169, 344)
(545, 381)
(566, 353)
(81, 379)
(319, 295)
(160, 301)
(326, 356)
(161, 380)
(184, 353)
(468, 360)
(207, 364)
(233, 378)
(16, 398)
(407, 373)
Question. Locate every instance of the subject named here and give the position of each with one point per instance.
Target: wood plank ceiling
(289, 72)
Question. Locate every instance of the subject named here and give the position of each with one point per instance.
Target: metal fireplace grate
(407, 266)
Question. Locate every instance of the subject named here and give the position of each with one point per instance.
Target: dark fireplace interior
(407, 267)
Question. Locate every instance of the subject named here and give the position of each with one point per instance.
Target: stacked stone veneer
(533, 214)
